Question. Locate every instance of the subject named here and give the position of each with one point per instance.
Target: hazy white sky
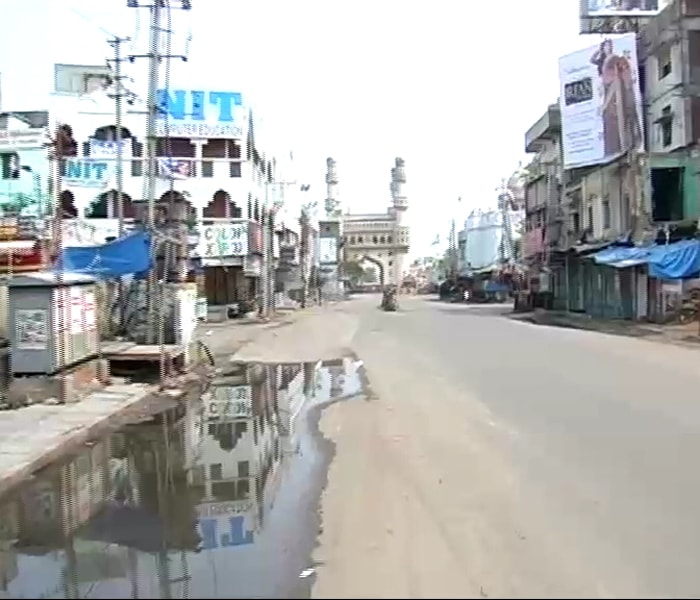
(451, 86)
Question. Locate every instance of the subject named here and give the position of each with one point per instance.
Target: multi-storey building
(381, 238)
(210, 166)
(23, 189)
(669, 50)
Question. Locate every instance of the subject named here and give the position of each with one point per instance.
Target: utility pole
(153, 110)
(118, 96)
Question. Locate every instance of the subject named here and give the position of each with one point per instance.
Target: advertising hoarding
(620, 8)
(600, 102)
(617, 16)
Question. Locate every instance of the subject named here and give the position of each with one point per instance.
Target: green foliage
(354, 271)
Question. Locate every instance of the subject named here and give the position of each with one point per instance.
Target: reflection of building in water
(239, 450)
(338, 378)
(9, 531)
(296, 385)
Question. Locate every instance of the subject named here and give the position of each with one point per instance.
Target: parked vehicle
(389, 302)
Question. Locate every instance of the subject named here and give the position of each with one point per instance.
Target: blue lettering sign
(237, 534)
(199, 114)
(86, 173)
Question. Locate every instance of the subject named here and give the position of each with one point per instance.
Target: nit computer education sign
(600, 102)
(200, 114)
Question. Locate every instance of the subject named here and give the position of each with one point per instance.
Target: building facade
(211, 176)
(381, 238)
(604, 232)
(24, 189)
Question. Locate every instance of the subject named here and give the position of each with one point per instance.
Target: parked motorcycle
(690, 307)
(389, 302)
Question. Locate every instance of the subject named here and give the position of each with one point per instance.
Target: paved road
(503, 459)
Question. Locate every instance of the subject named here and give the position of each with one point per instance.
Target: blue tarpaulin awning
(678, 260)
(129, 255)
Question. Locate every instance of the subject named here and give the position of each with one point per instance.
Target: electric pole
(153, 112)
(118, 96)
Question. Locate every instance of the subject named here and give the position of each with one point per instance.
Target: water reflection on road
(215, 499)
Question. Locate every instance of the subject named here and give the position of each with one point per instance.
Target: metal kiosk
(52, 321)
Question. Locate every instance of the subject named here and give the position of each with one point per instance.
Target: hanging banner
(175, 168)
(109, 148)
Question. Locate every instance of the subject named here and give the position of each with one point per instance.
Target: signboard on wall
(87, 173)
(200, 114)
(600, 102)
(224, 239)
(328, 251)
(22, 139)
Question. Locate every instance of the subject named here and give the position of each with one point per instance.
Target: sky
(450, 86)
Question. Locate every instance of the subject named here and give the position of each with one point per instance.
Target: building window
(10, 165)
(382, 240)
(663, 61)
(606, 213)
(216, 471)
(389, 239)
(374, 239)
(666, 126)
(360, 239)
(589, 216)
(243, 468)
(576, 222)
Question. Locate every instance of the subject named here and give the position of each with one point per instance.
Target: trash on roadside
(306, 573)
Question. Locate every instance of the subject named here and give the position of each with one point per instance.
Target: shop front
(231, 265)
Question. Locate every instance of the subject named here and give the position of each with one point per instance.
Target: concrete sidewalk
(34, 436)
(681, 335)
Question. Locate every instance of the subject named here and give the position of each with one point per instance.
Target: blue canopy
(129, 255)
(675, 261)
(679, 260)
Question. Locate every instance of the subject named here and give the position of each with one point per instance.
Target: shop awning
(679, 260)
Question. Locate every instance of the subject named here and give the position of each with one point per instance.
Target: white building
(381, 238)
(238, 453)
(210, 160)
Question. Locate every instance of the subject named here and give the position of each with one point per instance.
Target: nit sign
(199, 114)
(87, 173)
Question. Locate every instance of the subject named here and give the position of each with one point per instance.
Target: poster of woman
(601, 102)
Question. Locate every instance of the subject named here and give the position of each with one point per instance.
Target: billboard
(600, 102)
(617, 16)
(620, 8)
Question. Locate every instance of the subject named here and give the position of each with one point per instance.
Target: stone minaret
(399, 206)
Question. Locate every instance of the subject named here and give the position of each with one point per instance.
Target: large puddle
(218, 499)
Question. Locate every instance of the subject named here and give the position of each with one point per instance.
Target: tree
(354, 271)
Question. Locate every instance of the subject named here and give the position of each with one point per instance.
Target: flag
(436, 241)
(172, 168)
